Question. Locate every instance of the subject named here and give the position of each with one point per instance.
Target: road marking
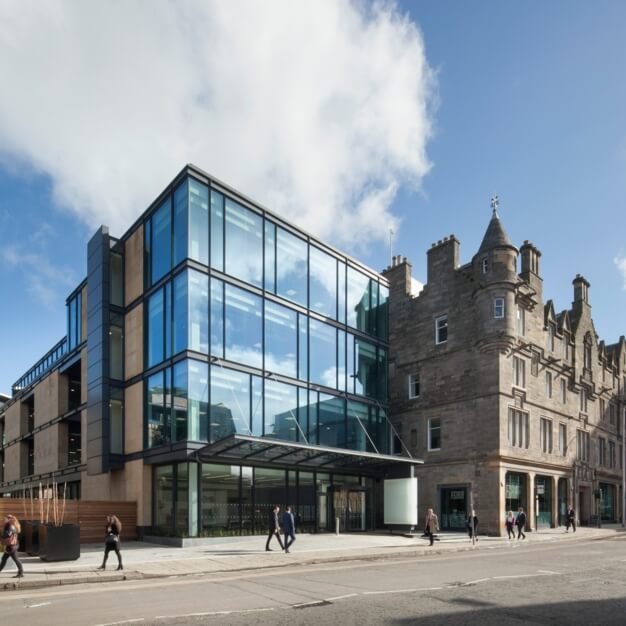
(475, 582)
(209, 613)
(303, 605)
(34, 606)
(380, 593)
(348, 595)
(547, 571)
(126, 621)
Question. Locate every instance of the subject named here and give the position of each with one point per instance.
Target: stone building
(509, 402)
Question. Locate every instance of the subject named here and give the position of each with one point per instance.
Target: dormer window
(484, 264)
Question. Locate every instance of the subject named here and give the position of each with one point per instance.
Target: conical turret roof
(496, 236)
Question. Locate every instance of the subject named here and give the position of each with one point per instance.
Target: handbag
(111, 540)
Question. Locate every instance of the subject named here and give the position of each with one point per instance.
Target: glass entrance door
(453, 508)
(349, 505)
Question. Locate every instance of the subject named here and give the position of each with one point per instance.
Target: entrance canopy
(250, 450)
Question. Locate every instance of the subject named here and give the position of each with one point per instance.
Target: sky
(351, 119)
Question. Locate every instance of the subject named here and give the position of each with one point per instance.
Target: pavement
(236, 554)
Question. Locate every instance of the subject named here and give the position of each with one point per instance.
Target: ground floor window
(515, 492)
(607, 502)
(454, 507)
(205, 499)
(543, 499)
(563, 501)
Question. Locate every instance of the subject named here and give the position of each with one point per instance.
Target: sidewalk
(234, 554)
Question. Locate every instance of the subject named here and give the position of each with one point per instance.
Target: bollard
(336, 526)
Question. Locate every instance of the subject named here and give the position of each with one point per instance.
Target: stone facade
(509, 403)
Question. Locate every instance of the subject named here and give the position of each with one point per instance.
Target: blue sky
(525, 100)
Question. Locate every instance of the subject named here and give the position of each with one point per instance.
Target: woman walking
(431, 525)
(10, 532)
(509, 522)
(112, 540)
(472, 526)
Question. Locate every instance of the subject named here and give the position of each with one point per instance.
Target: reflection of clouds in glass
(244, 243)
(329, 377)
(284, 364)
(244, 354)
(323, 269)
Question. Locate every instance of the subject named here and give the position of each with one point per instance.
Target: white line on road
(380, 593)
(475, 582)
(348, 595)
(35, 606)
(547, 571)
(210, 613)
(126, 621)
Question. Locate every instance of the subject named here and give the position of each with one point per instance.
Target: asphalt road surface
(564, 583)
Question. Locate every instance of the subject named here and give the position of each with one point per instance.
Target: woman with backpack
(112, 540)
(10, 532)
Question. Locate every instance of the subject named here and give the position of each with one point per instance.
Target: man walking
(571, 518)
(274, 529)
(520, 522)
(289, 528)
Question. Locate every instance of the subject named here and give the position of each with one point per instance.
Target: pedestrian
(509, 522)
(274, 528)
(520, 522)
(472, 526)
(571, 518)
(10, 532)
(431, 525)
(112, 540)
(289, 528)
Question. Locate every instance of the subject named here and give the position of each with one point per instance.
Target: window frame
(414, 382)
(498, 308)
(519, 372)
(546, 428)
(429, 434)
(440, 328)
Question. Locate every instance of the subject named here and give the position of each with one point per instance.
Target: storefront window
(220, 498)
(164, 497)
(269, 490)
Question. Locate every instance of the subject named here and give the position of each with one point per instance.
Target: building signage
(458, 494)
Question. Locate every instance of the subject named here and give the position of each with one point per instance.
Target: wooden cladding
(90, 515)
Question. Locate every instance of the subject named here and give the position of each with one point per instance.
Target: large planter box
(59, 543)
(31, 538)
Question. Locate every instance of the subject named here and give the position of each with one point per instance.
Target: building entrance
(349, 505)
(543, 501)
(584, 505)
(454, 508)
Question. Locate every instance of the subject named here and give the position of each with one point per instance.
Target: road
(580, 582)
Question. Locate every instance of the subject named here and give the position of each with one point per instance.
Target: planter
(59, 543)
(31, 538)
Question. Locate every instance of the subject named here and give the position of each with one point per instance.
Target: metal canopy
(250, 450)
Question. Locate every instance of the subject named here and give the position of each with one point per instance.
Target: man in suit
(274, 528)
(289, 528)
(520, 522)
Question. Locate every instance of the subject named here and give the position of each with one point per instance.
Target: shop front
(607, 502)
(515, 491)
(454, 507)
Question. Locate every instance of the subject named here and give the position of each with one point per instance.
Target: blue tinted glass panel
(158, 424)
(181, 222)
(198, 312)
(257, 406)
(307, 416)
(341, 360)
(147, 252)
(332, 421)
(198, 401)
(382, 313)
(217, 230)
(181, 313)
(198, 222)
(230, 403)
(168, 320)
(358, 300)
(281, 339)
(217, 318)
(270, 256)
(244, 327)
(303, 347)
(350, 365)
(79, 317)
(291, 267)
(281, 410)
(383, 432)
(180, 400)
(357, 426)
(155, 328)
(161, 257)
(341, 292)
(322, 354)
(365, 381)
(323, 282)
(381, 375)
(244, 243)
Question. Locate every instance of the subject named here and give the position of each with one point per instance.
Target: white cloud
(319, 110)
(620, 263)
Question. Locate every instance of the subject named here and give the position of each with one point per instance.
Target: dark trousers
(472, 532)
(12, 554)
(274, 533)
(520, 531)
(430, 535)
(115, 547)
(289, 539)
(571, 522)
(510, 531)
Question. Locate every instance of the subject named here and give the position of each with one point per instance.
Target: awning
(250, 450)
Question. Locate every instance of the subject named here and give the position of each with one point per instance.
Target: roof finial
(494, 205)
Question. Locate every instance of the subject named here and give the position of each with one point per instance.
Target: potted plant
(58, 541)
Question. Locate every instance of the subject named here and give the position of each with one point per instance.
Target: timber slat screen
(90, 515)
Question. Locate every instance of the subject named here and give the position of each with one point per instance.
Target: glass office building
(240, 361)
